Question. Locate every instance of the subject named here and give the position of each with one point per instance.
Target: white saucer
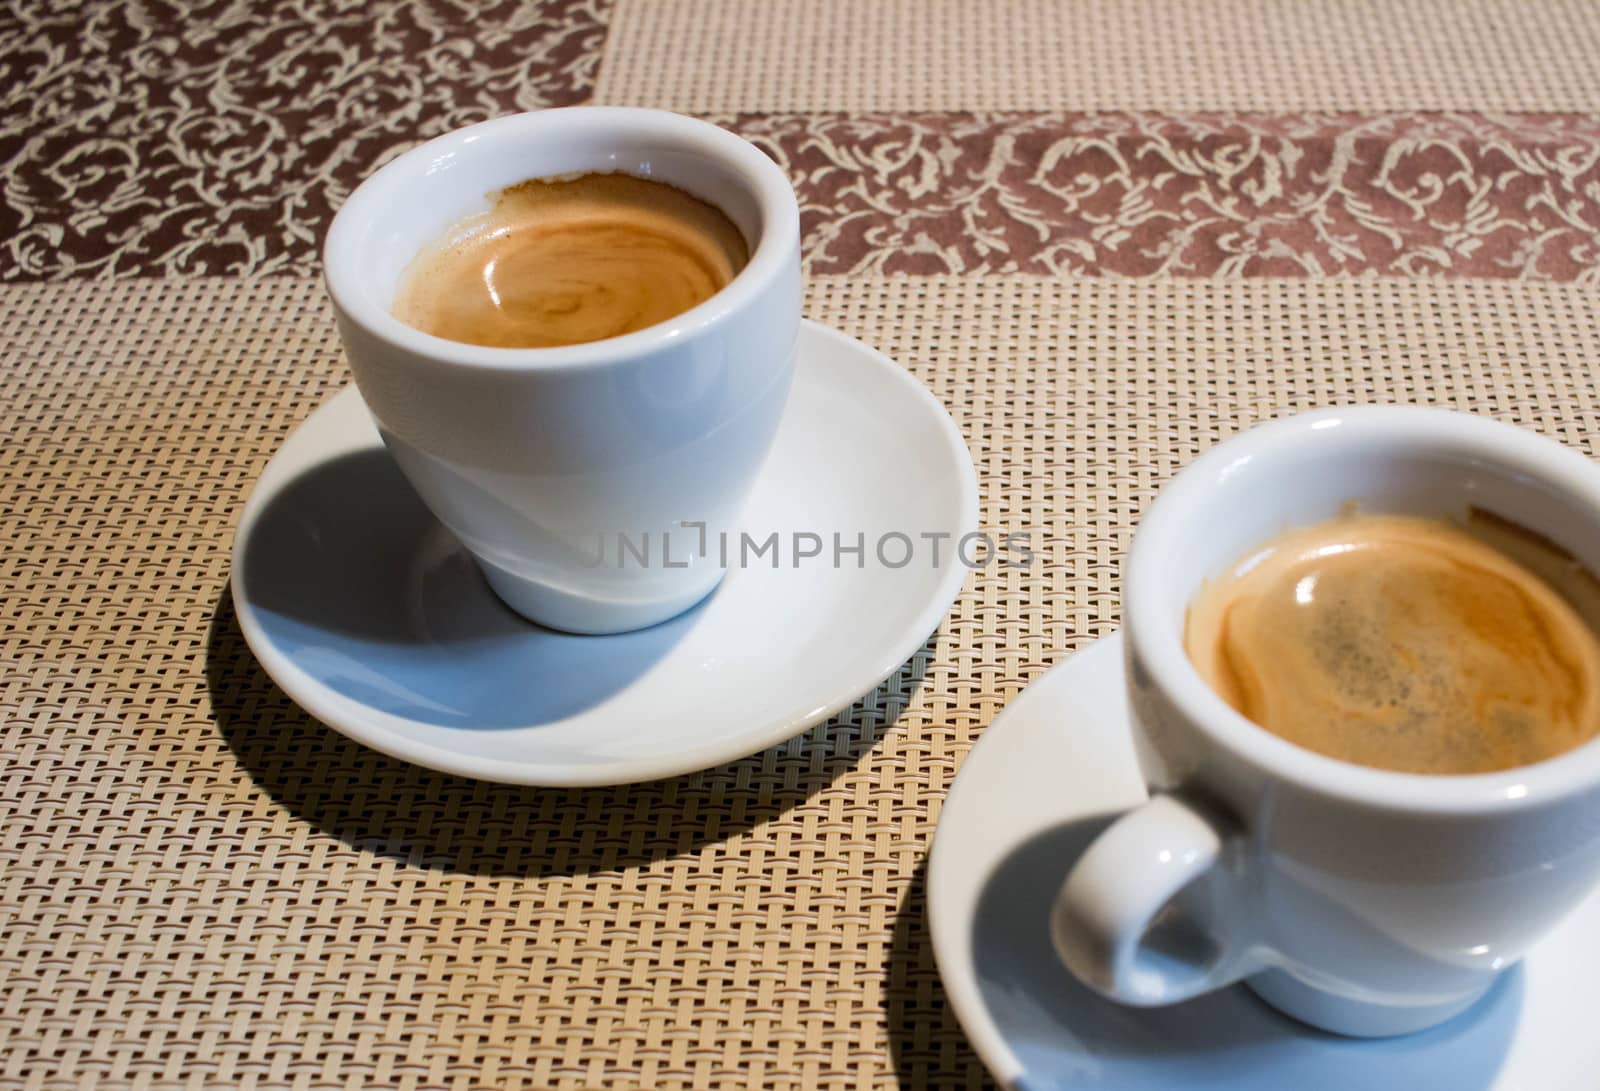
(1050, 773)
(372, 617)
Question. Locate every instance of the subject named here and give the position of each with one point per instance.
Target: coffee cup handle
(1103, 916)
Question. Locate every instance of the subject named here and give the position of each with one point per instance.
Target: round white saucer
(373, 618)
(1052, 771)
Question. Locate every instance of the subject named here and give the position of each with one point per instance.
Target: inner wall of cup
(1285, 489)
(416, 203)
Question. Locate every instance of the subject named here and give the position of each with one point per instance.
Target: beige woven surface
(201, 887)
(1270, 55)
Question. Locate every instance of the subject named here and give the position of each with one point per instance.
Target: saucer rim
(966, 997)
(1558, 963)
(366, 725)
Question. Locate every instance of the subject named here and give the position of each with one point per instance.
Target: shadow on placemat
(423, 818)
(929, 1048)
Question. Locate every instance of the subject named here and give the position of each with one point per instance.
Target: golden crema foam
(1407, 643)
(569, 260)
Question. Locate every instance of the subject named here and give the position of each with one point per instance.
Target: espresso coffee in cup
(534, 357)
(569, 260)
(1421, 645)
(1432, 613)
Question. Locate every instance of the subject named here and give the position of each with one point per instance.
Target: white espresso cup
(583, 479)
(1358, 900)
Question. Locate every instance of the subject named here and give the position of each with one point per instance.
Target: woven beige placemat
(1269, 55)
(201, 887)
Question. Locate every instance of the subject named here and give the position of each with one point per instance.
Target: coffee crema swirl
(571, 260)
(1406, 643)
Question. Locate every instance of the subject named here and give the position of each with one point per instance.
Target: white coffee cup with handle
(1360, 900)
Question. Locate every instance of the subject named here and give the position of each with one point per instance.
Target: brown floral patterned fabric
(171, 138)
(1199, 195)
(160, 138)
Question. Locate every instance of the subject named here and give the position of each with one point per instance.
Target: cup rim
(767, 182)
(1160, 648)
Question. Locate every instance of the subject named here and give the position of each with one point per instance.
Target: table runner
(1100, 268)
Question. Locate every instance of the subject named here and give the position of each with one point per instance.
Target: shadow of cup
(426, 819)
(354, 577)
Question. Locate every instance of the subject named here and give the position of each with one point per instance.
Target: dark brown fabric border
(157, 137)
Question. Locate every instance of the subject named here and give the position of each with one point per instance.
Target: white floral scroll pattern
(1204, 195)
(155, 137)
(216, 137)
